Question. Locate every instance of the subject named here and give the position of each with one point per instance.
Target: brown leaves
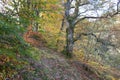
(4, 59)
(34, 38)
(8, 66)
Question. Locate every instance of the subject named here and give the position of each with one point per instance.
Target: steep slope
(52, 65)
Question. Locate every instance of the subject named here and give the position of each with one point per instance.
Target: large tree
(79, 10)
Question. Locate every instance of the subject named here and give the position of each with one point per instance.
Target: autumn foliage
(8, 66)
(33, 37)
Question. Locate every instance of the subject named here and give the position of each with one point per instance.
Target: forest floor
(52, 65)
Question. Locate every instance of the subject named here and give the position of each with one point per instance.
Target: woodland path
(54, 66)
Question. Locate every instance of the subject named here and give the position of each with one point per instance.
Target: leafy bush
(9, 66)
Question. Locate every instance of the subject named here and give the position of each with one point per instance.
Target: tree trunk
(36, 26)
(69, 41)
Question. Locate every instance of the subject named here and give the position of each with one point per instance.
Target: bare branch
(118, 5)
(97, 17)
(63, 22)
(82, 4)
(102, 41)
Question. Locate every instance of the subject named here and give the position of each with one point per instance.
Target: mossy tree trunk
(69, 40)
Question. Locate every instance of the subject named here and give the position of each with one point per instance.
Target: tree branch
(99, 17)
(95, 17)
(102, 41)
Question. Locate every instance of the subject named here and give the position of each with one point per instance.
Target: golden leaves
(8, 66)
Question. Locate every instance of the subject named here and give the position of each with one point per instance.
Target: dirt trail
(54, 66)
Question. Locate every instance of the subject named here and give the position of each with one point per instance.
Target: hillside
(53, 66)
(44, 63)
(59, 40)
